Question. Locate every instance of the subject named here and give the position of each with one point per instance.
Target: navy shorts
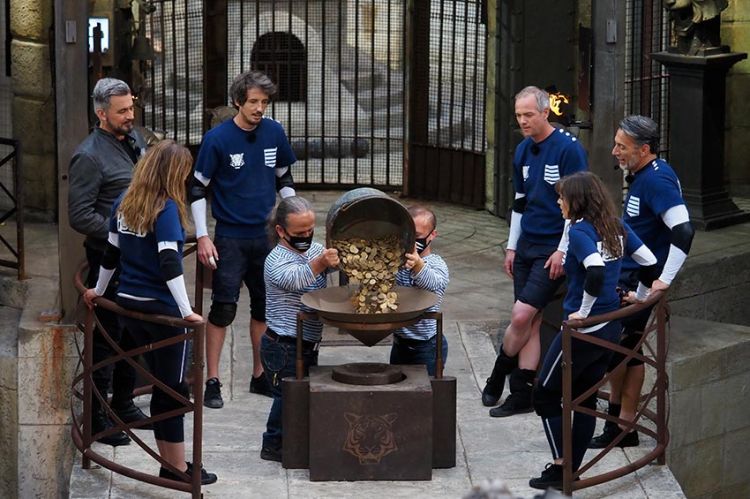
(241, 260)
(531, 282)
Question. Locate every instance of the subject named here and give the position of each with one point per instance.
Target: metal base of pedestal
(397, 431)
(717, 219)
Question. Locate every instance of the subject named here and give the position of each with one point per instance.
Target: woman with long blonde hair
(146, 236)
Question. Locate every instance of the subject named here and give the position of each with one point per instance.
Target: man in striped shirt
(294, 267)
(417, 344)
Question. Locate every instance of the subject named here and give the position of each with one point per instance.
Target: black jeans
(278, 358)
(122, 374)
(166, 363)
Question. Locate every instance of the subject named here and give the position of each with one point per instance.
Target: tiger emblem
(370, 438)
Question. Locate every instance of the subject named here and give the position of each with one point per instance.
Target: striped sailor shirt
(433, 277)
(288, 276)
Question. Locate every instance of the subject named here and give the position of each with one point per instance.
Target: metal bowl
(335, 305)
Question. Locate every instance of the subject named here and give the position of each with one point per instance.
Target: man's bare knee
(522, 315)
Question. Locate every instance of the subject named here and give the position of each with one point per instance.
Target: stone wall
(715, 283)
(709, 404)
(8, 406)
(37, 362)
(735, 32)
(33, 106)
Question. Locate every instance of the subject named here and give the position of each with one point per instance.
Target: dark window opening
(283, 58)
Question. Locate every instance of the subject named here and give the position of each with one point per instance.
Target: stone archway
(283, 57)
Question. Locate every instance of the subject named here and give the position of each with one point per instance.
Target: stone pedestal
(697, 86)
(399, 430)
(360, 432)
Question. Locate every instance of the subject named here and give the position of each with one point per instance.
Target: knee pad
(547, 404)
(222, 314)
(161, 402)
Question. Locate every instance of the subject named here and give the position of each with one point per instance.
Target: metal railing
(81, 430)
(15, 195)
(655, 358)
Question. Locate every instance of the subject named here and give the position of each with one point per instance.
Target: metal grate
(339, 68)
(172, 99)
(646, 81)
(6, 100)
(457, 75)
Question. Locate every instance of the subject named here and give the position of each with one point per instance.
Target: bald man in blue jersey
(536, 247)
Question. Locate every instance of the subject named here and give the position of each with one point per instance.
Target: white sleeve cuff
(515, 230)
(642, 292)
(643, 256)
(179, 293)
(675, 259)
(586, 304)
(105, 275)
(198, 208)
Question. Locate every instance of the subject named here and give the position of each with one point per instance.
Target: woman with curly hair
(146, 236)
(598, 239)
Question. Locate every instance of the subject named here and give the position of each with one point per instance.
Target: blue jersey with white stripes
(536, 169)
(654, 190)
(241, 166)
(433, 277)
(288, 276)
(584, 241)
(141, 276)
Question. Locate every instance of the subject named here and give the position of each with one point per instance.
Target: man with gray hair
(244, 162)
(100, 170)
(536, 246)
(656, 212)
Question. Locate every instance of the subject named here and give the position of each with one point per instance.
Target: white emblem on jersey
(605, 254)
(270, 156)
(634, 206)
(123, 228)
(551, 174)
(525, 172)
(237, 161)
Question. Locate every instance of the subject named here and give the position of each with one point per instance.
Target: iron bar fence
(16, 196)
(81, 430)
(652, 357)
(646, 80)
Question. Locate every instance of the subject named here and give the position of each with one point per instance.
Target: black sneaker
(260, 385)
(608, 435)
(212, 395)
(131, 413)
(552, 476)
(514, 404)
(270, 454)
(100, 422)
(492, 391)
(206, 477)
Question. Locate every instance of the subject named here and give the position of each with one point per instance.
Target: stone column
(735, 32)
(34, 102)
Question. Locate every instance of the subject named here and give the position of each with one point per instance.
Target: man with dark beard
(100, 170)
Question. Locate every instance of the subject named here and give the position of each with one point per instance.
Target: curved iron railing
(654, 358)
(81, 427)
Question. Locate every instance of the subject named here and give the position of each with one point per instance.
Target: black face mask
(422, 244)
(300, 243)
